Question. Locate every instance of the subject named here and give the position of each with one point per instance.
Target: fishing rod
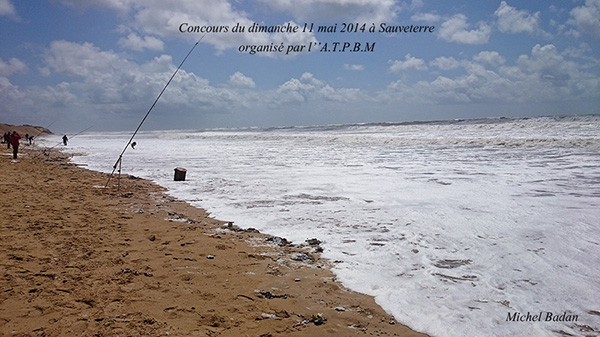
(75, 135)
(118, 162)
(46, 128)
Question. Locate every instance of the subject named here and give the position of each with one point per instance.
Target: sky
(74, 64)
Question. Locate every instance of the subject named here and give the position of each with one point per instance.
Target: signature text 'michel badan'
(542, 316)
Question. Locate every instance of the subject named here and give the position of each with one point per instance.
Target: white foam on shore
(451, 226)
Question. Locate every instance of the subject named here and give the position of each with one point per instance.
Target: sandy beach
(78, 259)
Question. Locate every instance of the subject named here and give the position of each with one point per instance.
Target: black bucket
(180, 174)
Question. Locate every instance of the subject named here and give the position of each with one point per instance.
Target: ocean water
(452, 226)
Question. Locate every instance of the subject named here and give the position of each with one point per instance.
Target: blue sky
(77, 63)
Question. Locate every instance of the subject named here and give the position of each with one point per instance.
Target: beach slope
(77, 259)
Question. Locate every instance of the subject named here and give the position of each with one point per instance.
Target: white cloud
(300, 89)
(309, 89)
(426, 17)
(12, 66)
(587, 18)
(456, 29)
(26, 102)
(121, 5)
(242, 81)
(580, 51)
(8, 93)
(542, 76)
(7, 8)
(58, 96)
(355, 67)
(103, 84)
(409, 63)
(416, 4)
(85, 60)
(548, 65)
(445, 63)
(335, 10)
(511, 20)
(163, 19)
(489, 58)
(106, 78)
(135, 42)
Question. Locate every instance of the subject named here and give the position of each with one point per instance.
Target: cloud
(587, 18)
(162, 18)
(309, 89)
(416, 4)
(489, 58)
(335, 10)
(134, 42)
(84, 60)
(120, 5)
(426, 17)
(26, 102)
(299, 90)
(158, 18)
(542, 76)
(409, 63)
(109, 79)
(104, 84)
(9, 93)
(12, 66)
(241, 81)
(548, 65)
(511, 20)
(354, 67)
(456, 28)
(445, 63)
(58, 96)
(7, 8)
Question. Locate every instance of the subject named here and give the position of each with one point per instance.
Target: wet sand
(77, 259)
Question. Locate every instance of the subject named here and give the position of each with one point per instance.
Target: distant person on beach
(65, 140)
(30, 139)
(7, 139)
(14, 141)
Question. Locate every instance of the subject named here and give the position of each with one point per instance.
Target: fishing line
(118, 162)
(75, 135)
(47, 128)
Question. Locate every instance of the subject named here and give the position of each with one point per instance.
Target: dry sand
(80, 260)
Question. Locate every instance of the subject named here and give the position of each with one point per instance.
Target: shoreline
(78, 259)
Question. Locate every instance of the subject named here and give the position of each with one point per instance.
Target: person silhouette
(14, 141)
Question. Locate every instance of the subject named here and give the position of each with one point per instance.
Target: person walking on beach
(14, 141)
(65, 140)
